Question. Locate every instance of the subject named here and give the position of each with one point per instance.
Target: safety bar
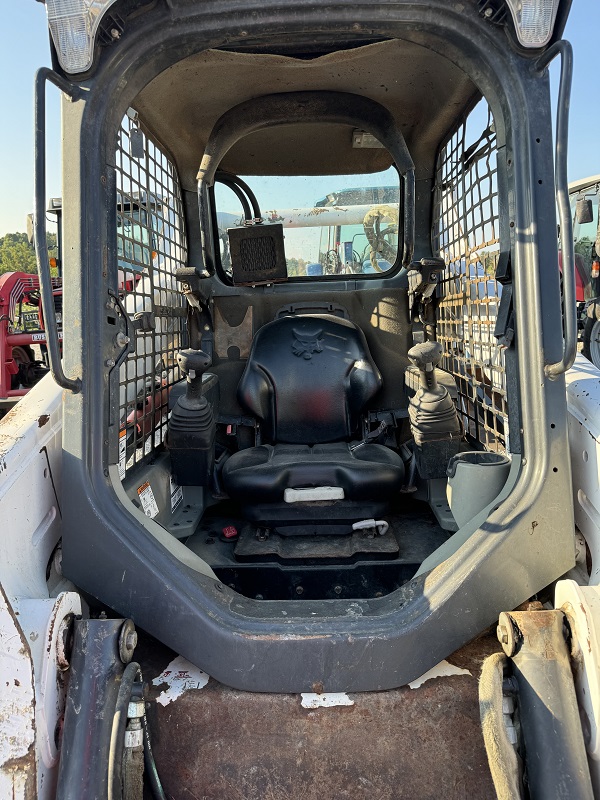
(562, 198)
(39, 222)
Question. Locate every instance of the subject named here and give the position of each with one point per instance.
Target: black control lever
(433, 418)
(193, 364)
(426, 356)
(192, 429)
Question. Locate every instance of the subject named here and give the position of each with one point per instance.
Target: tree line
(18, 255)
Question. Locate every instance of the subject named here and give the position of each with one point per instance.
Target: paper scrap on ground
(181, 676)
(325, 700)
(441, 670)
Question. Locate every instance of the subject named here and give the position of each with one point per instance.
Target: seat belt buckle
(381, 428)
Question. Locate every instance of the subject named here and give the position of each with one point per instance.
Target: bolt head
(127, 641)
(508, 634)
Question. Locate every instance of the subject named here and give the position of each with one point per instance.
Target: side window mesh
(466, 235)
(151, 246)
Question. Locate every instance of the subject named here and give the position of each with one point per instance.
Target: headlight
(534, 20)
(73, 26)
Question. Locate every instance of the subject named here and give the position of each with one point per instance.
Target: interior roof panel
(423, 90)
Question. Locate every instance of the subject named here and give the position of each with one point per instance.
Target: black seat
(307, 381)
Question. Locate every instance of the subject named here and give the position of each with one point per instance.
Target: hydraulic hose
(131, 673)
(232, 180)
(228, 181)
(117, 735)
(150, 764)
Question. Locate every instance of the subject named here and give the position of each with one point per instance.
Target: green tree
(296, 267)
(18, 255)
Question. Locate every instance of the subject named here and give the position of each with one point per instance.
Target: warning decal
(147, 500)
(176, 494)
(122, 453)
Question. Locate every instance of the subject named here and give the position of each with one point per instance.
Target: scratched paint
(17, 720)
(441, 670)
(180, 676)
(325, 700)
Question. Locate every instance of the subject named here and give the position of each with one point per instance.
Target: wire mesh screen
(151, 246)
(466, 235)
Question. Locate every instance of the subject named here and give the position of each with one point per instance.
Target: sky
(25, 48)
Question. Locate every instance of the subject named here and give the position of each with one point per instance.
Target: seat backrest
(308, 378)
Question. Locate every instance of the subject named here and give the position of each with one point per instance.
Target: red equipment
(21, 329)
(581, 279)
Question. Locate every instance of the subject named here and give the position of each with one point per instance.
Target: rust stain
(43, 420)
(25, 765)
(318, 687)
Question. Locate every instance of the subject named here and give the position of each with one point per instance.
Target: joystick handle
(193, 363)
(426, 356)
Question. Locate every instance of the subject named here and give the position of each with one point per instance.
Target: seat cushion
(370, 473)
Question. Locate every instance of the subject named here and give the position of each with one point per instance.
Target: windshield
(333, 224)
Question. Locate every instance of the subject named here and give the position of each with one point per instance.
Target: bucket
(475, 479)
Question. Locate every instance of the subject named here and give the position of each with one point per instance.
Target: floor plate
(216, 743)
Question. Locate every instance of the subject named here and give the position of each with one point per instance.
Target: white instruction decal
(176, 494)
(147, 500)
(41, 337)
(122, 453)
(325, 700)
(442, 670)
(180, 676)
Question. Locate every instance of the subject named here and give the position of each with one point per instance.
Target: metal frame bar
(552, 737)
(39, 222)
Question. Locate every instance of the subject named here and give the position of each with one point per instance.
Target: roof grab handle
(39, 223)
(565, 50)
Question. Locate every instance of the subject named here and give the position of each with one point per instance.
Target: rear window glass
(333, 224)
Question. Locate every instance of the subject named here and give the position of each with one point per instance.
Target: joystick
(191, 432)
(433, 417)
(193, 364)
(426, 356)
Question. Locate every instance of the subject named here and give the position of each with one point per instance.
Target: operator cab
(311, 427)
(311, 414)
